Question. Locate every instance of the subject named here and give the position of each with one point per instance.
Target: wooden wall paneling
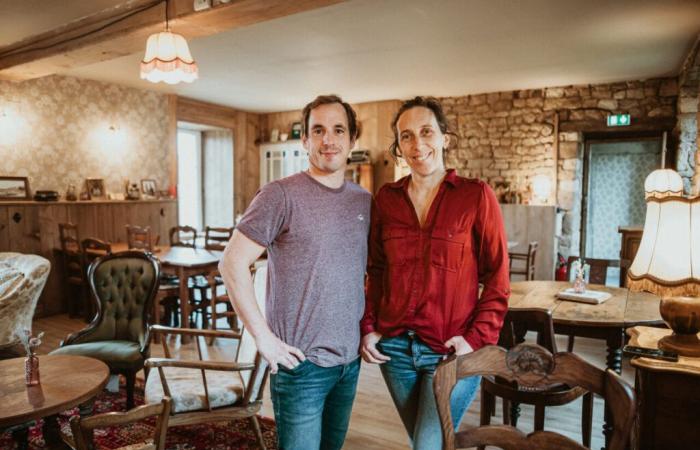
(4, 228)
(24, 229)
(50, 215)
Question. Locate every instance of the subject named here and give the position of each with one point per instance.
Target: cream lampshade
(668, 260)
(168, 59)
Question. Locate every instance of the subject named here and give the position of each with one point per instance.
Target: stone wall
(516, 136)
(687, 127)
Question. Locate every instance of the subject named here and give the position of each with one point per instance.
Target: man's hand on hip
(277, 352)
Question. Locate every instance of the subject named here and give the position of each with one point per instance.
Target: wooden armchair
(217, 238)
(533, 367)
(527, 267)
(183, 236)
(209, 391)
(82, 429)
(513, 395)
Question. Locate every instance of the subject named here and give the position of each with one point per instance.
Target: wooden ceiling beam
(96, 38)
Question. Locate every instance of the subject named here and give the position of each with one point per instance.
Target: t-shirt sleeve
(264, 219)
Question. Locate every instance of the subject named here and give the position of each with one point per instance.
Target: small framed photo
(149, 188)
(14, 188)
(96, 188)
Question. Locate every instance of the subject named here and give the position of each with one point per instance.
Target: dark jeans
(312, 405)
(409, 377)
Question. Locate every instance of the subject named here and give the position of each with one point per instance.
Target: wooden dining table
(607, 321)
(183, 262)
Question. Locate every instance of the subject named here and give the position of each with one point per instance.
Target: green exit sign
(618, 120)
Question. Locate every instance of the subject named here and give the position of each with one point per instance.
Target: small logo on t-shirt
(360, 217)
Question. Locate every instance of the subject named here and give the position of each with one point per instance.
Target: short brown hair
(432, 104)
(353, 124)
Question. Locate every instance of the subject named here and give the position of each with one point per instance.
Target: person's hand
(460, 345)
(277, 352)
(368, 349)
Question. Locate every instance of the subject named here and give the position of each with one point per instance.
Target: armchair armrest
(194, 332)
(195, 364)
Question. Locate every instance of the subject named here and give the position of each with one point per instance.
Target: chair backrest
(247, 351)
(531, 254)
(68, 235)
(599, 269)
(138, 237)
(94, 248)
(533, 367)
(82, 428)
(183, 236)
(216, 238)
(123, 286)
(22, 279)
(518, 321)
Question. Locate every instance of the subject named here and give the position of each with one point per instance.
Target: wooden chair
(92, 249)
(527, 268)
(516, 323)
(217, 238)
(73, 274)
(139, 237)
(82, 429)
(123, 286)
(533, 368)
(183, 236)
(598, 274)
(217, 299)
(209, 391)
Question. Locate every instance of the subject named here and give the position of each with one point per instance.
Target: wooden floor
(375, 423)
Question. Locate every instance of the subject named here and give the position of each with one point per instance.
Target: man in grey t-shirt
(314, 226)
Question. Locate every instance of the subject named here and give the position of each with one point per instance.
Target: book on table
(588, 296)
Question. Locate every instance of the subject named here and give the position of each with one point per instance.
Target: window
(205, 177)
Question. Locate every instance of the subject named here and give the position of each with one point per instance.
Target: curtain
(217, 147)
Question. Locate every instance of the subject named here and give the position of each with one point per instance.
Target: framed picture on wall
(96, 188)
(149, 188)
(14, 188)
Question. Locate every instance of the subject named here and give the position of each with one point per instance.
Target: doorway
(614, 171)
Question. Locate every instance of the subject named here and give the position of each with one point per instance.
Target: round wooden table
(607, 321)
(66, 381)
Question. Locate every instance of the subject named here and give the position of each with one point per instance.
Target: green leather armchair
(122, 286)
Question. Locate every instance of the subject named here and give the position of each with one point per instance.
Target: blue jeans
(312, 405)
(409, 377)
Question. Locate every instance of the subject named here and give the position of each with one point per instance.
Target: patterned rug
(237, 434)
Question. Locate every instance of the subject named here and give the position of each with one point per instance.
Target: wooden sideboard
(32, 227)
(631, 238)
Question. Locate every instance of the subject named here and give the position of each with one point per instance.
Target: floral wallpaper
(61, 130)
(616, 192)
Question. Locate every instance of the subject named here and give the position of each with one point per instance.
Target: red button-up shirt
(427, 279)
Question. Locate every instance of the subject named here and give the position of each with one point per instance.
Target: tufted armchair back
(123, 286)
(22, 279)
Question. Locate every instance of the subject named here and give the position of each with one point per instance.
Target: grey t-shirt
(316, 239)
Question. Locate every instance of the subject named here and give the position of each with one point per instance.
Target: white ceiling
(367, 50)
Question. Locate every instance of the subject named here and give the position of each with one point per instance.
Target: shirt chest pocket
(396, 245)
(447, 248)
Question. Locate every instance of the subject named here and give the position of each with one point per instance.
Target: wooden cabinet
(32, 227)
(668, 397)
(631, 237)
(361, 174)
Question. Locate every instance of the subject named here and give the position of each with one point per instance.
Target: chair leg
(130, 382)
(539, 417)
(587, 419)
(506, 412)
(570, 345)
(486, 410)
(258, 432)
(514, 413)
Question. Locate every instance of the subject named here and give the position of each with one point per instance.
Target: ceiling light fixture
(168, 57)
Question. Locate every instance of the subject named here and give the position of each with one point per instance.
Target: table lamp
(668, 260)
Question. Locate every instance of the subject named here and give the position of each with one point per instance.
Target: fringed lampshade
(168, 59)
(668, 260)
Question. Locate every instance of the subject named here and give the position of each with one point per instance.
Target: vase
(579, 284)
(31, 370)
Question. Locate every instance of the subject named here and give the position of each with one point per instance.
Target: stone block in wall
(502, 106)
(568, 149)
(492, 97)
(620, 94)
(476, 100)
(534, 102)
(607, 104)
(687, 105)
(569, 136)
(599, 92)
(662, 111)
(668, 88)
(561, 103)
(635, 93)
(554, 92)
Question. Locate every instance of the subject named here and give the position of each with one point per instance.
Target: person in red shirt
(434, 238)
